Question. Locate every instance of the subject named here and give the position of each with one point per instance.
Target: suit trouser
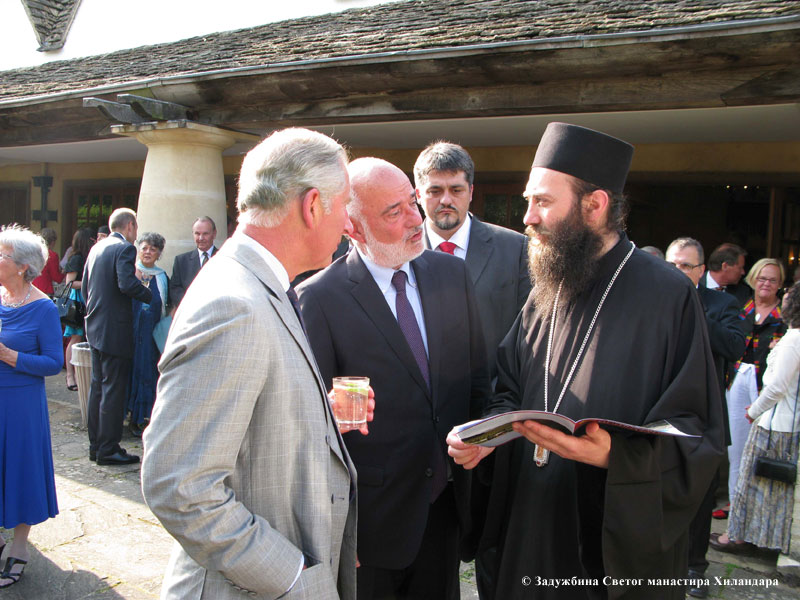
(700, 529)
(109, 390)
(434, 573)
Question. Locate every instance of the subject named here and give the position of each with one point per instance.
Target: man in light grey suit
(243, 463)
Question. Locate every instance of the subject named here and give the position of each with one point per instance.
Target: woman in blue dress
(144, 372)
(30, 349)
(81, 243)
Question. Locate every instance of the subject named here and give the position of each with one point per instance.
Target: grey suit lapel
(366, 292)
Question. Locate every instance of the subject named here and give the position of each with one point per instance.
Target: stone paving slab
(105, 544)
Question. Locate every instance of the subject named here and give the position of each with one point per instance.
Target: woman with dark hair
(81, 243)
(761, 508)
(51, 272)
(30, 349)
(144, 371)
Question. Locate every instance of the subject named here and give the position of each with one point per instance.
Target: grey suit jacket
(243, 463)
(497, 262)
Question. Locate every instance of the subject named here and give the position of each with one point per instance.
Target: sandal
(7, 574)
(72, 387)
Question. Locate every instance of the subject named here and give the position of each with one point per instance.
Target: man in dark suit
(496, 257)
(497, 262)
(188, 265)
(727, 345)
(725, 272)
(109, 283)
(407, 319)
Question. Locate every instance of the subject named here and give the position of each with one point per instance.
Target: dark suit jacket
(741, 291)
(353, 332)
(184, 269)
(497, 262)
(109, 282)
(725, 335)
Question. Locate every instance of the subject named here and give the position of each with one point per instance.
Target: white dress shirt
(460, 238)
(383, 277)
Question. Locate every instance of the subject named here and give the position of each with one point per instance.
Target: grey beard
(569, 256)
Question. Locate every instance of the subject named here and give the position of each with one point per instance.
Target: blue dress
(144, 371)
(28, 492)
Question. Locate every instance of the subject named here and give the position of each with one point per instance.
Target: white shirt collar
(460, 238)
(273, 263)
(383, 275)
(210, 252)
(711, 282)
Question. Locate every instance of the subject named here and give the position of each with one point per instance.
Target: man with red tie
(496, 260)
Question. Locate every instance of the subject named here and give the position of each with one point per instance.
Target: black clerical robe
(648, 359)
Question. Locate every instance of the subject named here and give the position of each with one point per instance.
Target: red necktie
(448, 247)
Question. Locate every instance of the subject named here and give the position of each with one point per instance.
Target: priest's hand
(466, 455)
(593, 448)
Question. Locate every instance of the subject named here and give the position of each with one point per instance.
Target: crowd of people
(225, 370)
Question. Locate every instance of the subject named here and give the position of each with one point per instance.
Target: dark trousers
(700, 529)
(107, 397)
(434, 573)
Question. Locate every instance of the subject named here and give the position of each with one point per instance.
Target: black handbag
(784, 470)
(70, 311)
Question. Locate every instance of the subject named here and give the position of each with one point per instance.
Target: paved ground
(105, 544)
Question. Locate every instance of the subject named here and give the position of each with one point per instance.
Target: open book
(496, 430)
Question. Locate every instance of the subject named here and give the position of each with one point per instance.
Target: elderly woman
(81, 243)
(52, 272)
(760, 320)
(761, 509)
(30, 349)
(144, 372)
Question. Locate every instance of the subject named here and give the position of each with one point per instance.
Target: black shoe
(697, 587)
(119, 458)
(92, 456)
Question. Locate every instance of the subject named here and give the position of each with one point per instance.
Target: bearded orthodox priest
(608, 331)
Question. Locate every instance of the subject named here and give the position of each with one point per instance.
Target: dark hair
(443, 156)
(103, 229)
(725, 253)
(82, 242)
(791, 307)
(49, 235)
(617, 205)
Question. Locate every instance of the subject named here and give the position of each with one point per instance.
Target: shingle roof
(392, 27)
(51, 20)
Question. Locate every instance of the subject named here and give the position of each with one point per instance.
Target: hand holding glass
(351, 397)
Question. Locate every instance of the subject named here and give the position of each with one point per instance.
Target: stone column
(183, 179)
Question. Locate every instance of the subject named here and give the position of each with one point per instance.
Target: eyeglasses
(684, 266)
(767, 280)
(6, 256)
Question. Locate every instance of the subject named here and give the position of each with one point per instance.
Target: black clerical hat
(584, 153)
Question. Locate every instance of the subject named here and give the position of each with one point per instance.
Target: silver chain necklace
(542, 455)
(23, 301)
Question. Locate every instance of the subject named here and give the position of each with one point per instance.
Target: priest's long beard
(569, 253)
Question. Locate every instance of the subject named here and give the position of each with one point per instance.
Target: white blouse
(780, 386)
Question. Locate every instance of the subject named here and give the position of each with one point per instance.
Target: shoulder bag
(70, 311)
(784, 470)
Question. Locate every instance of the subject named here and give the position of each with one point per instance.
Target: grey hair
(205, 219)
(443, 156)
(686, 242)
(285, 166)
(153, 239)
(120, 218)
(27, 248)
